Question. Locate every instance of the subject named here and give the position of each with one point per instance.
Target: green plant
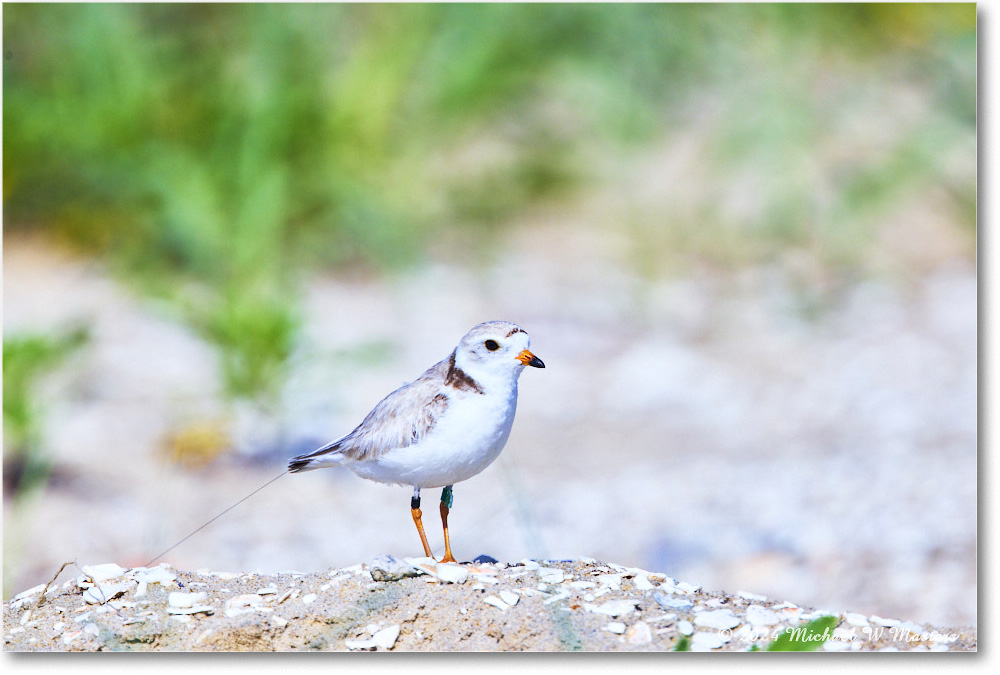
(26, 359)
(805, 638)
(216, 154)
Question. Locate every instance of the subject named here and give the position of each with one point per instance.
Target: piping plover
(444, 427)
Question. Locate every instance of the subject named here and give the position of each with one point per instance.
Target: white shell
(761, 616)
(98, 595)
(104, 571)
(856, 619)
(452, 573)
(615, 608)
(509, 597)
(384, 638)
(496, 602)
(717, 618)
(703, 642)
(551, 575)
(197, 609)
(642, 583)
(178, 599)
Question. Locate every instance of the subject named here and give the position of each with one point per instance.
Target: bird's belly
(458, 448)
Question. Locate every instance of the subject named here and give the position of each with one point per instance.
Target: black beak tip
(536, 362)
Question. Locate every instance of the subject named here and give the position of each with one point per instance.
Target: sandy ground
(702, 426)
(390, 604)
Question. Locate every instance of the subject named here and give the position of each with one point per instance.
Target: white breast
(468, 437)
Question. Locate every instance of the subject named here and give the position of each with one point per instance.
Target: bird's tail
(328, 455)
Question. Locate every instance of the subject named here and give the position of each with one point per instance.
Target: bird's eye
(491, 345)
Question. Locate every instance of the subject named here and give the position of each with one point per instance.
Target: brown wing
(399, 420)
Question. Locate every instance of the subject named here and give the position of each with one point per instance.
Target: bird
(442, 428)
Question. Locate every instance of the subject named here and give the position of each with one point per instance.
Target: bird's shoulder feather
(399, 420)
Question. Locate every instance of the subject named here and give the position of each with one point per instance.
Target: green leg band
(446, 496)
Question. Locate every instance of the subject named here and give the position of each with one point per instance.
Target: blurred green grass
(214, 154)
(26, 359)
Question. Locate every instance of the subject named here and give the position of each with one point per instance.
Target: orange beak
(528, 359)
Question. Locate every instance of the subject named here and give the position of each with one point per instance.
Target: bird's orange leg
(446, 501)
(416, 513)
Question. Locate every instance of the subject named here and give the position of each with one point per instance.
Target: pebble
(856, 619)
(451, 573)
(509, 597)
(639, 634)
(179, 599)
(642, 583)
(751, 596)
(390, 568)
(267, 590)
(667, 602)
(104, 571)
(156, 575)
(551, 575)
(616, 627)
(705, 642)
(98, 595)
(668, 586)
(309, 598)
(582, 584)
(243, 604)
(385, 638)
(717, 618)
(197, 609)
(686, 587)
(496, 602)
(761, 616)
(614, 608)
(24, 595)
(685, 627)
(612, 581)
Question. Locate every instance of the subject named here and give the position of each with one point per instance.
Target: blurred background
(742, 238)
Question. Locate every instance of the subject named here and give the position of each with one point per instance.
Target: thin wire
(215, 518)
